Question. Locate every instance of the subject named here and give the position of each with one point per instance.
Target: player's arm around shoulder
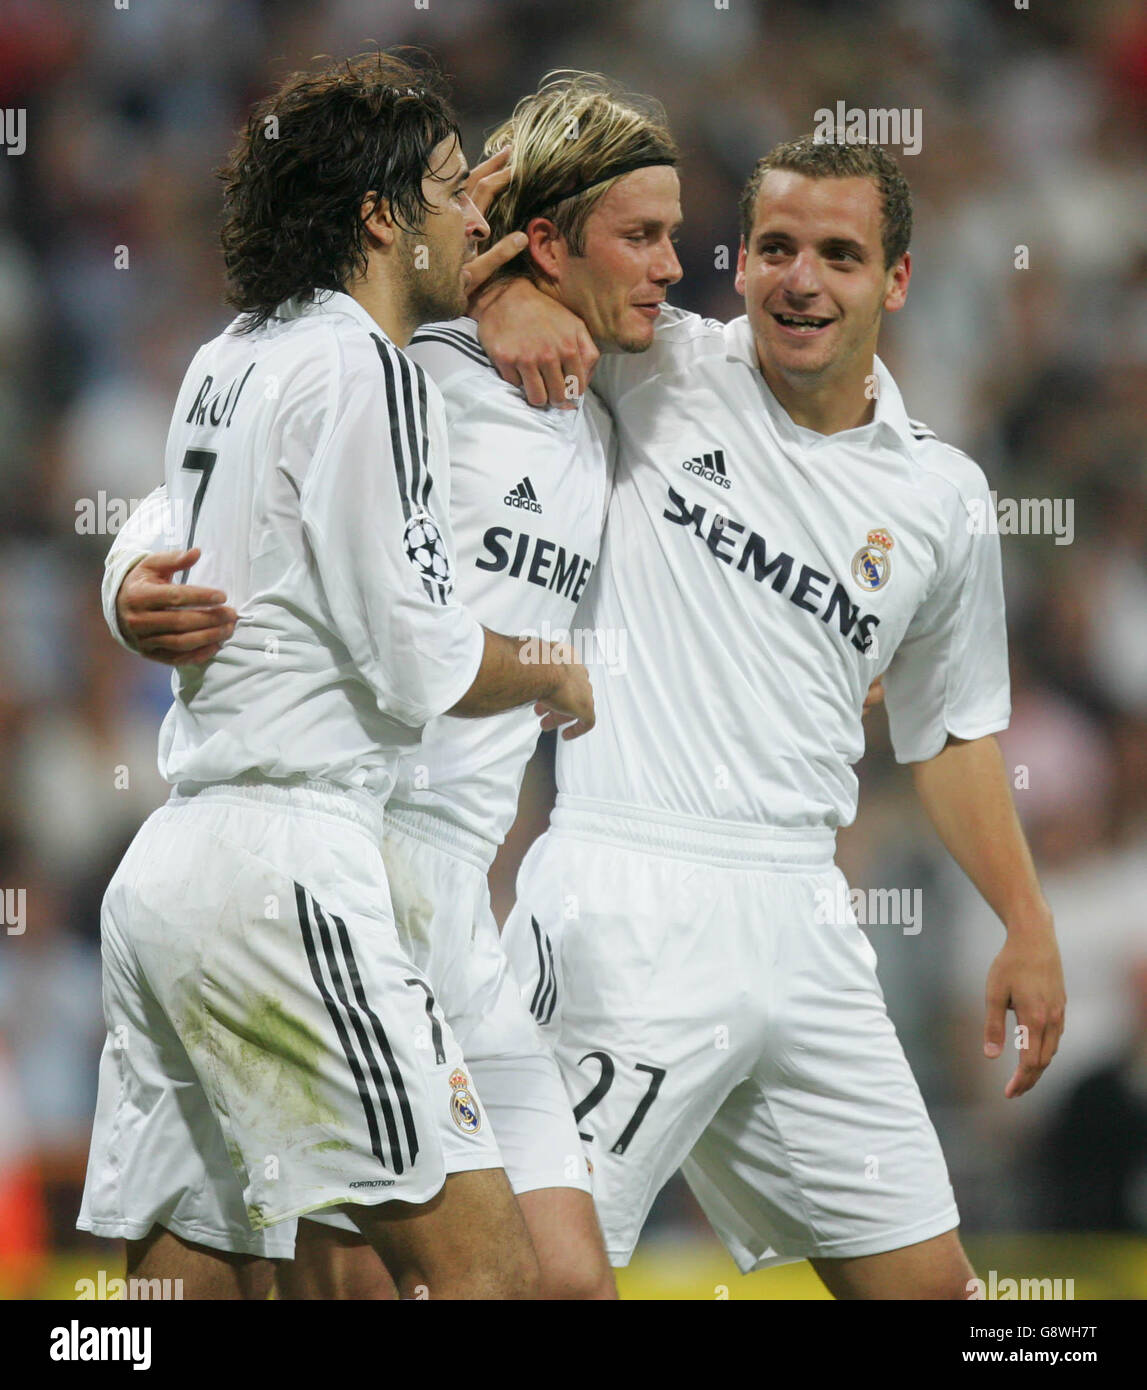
(534, 342)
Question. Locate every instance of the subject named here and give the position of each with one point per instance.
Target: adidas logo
(523, 496)
(709, 467)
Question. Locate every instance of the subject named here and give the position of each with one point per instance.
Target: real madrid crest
(872, 564)
(463, 1106)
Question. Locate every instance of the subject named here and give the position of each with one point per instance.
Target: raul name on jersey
(738, 546)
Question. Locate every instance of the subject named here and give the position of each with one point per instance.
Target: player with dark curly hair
(263, 1058)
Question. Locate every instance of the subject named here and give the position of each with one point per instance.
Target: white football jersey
(529, 490)
(308, 461)
(764, 575)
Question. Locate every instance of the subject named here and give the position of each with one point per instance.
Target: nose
(666, 267)
(477, 228)
(802, 279)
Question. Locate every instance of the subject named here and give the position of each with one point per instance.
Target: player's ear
(739, 282)
(378, 219)
(546, 246)
(898, 277)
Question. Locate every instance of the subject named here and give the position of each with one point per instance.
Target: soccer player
(593, 184)
(263, 1015)
(780, 531)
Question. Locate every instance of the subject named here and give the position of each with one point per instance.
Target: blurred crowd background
(1034, 135)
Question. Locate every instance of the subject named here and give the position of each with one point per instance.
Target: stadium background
(1034, 135)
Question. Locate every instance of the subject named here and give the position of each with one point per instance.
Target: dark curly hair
(818, 158)
(293, 186)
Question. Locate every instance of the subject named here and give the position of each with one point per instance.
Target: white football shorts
(272, 1049)
(441, 896)
(705, 1015)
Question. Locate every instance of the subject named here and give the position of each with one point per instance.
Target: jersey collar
(330, 302)
(890, 422)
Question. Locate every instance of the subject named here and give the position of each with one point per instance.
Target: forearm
(117, 567)
(147, 529)
(967, 796)
(535, 342)
(511, 674)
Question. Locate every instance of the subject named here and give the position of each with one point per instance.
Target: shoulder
(475, 395)
(948, 469)
(369, 361)
(680, 335)
(445, 350)
(963, 499)
(455, 361)
(678, 326)
(680, 340)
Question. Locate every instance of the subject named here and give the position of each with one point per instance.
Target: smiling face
(629, 260)
(814, 280)
(434, 256)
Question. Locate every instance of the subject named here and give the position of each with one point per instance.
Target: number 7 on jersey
(197, 461)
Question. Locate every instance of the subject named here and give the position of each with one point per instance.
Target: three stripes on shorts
(546, 993)
(364, 1042)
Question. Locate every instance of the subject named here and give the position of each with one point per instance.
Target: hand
(1027, 977)
(874, 697)
(477, 272)
(535, 342)
(486, 181)
(573, 698)
(177, 624)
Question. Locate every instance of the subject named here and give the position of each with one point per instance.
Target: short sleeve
(375, 513)
(949, 676)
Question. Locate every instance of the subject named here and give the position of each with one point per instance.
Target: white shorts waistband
(441, 834)
(801, 849)
(307, 795)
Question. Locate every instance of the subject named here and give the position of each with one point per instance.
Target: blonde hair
(567, 137)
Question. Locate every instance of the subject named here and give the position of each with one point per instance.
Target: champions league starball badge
(425, 549)
(872, 565)
(463, 1106)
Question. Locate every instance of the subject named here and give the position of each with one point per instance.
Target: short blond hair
(568, 134)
